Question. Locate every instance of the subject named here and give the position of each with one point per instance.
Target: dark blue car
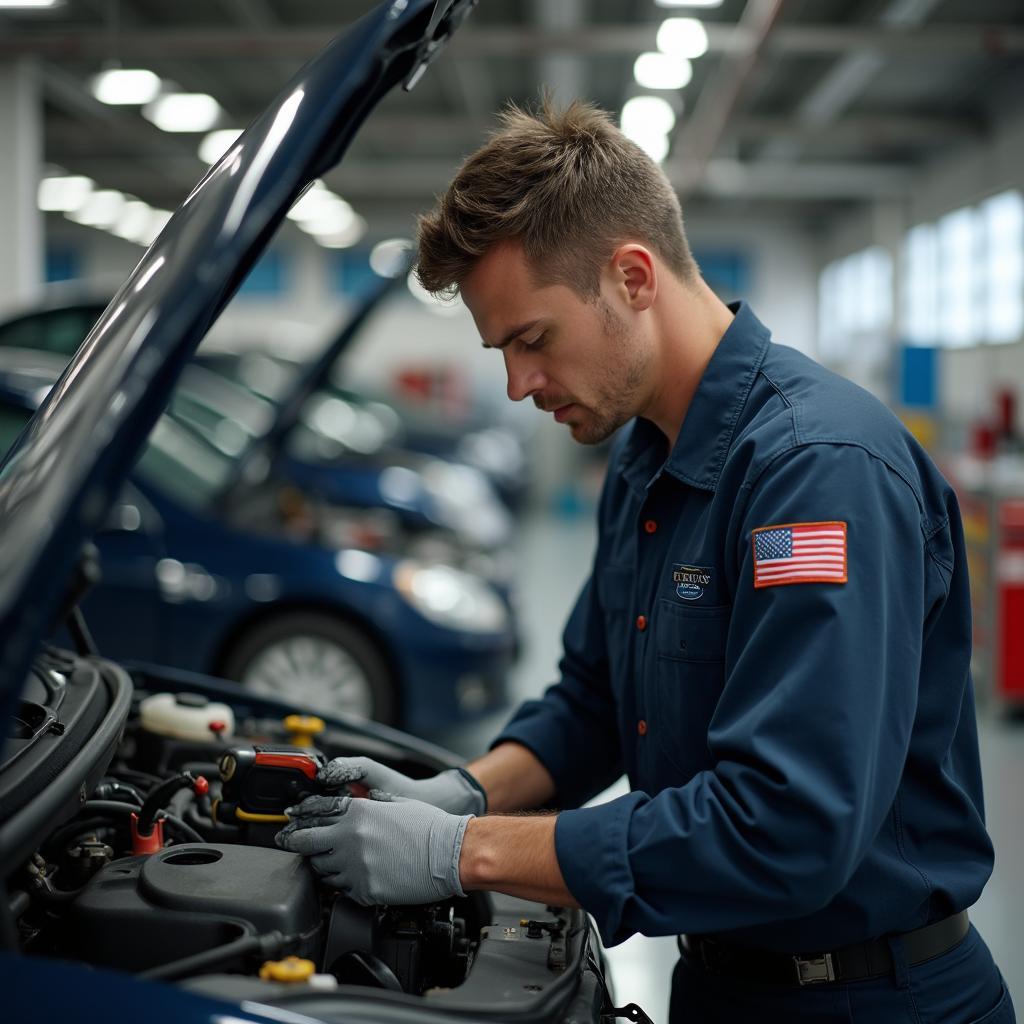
(137, 803)
(212, 568)
(333, 445)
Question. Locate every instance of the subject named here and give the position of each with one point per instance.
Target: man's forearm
(514, 854)
(513, 778)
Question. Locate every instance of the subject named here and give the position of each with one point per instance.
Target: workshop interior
(264, 499)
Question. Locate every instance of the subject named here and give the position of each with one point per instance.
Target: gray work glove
(454, 790)
(380, 851)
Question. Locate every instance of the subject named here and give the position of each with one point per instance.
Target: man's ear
(633, 270)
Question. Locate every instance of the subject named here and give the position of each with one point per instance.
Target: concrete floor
(554, 559)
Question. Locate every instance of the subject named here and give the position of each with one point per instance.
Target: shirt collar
(706, 434)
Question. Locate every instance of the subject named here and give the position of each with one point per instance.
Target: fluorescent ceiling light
(661, 71)
(344, 237)
(687, 3)
(654, 144)
(312, 203)
(644, 115)
(64, 192)
(126, 86)
(38, 4)
(388, 258)
(101, 209)
(334, 219)
(183, 112)
(157, 220)
(133, 221)
(683, 37)
(217, 143)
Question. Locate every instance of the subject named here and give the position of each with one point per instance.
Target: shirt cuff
(591, 845)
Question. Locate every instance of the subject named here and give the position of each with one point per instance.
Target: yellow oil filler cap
(303, 729)
(291, 968)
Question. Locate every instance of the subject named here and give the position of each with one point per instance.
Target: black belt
(870, 959)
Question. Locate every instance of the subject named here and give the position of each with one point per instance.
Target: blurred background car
(214, 563)
(334, 423)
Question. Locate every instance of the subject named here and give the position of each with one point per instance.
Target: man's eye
(537, 342)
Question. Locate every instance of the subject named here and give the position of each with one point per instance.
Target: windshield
(52, 330)
(332, 423)
(179, 463)
(11, 423)
(225, 415)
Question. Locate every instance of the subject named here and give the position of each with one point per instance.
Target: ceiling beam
(97, 133)
(370, 181)
(516, 41)
(849, 76)
(80, 138)
(695, 143)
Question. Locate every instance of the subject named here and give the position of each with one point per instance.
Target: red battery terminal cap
(201, 786)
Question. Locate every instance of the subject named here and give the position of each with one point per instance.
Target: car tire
(317, 662)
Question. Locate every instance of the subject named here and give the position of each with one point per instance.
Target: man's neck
(691, 323)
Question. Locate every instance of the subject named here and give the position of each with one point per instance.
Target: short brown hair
(568, 186)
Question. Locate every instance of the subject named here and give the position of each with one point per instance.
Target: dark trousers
(962, 986)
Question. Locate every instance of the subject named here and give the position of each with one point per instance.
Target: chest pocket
(689, 675)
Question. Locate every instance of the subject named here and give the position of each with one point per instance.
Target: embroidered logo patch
(690, 580)
(799, 553)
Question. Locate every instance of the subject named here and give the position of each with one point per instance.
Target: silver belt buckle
(814, 970)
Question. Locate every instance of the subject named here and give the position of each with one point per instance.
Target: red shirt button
(641, 727)
(641, 622)
(651, 526)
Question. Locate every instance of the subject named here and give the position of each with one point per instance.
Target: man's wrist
(514, 854)
(476, 860)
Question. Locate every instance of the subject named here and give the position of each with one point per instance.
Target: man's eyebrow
(513, 334)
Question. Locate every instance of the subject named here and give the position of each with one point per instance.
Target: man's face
(575, 358)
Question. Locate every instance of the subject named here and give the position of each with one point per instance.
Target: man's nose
(524, 379)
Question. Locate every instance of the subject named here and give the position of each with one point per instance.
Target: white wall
(784, 261)
(963, 177)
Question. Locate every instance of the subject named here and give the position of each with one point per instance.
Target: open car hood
(59, 479)
(313, 376)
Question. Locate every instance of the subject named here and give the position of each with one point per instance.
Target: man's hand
(390, 851)
(455, 790)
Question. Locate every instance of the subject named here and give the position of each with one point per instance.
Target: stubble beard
(618, 392)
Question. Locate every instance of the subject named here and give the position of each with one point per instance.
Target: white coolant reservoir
(186, 716)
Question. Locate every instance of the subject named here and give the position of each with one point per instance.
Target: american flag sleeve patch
(799, 553)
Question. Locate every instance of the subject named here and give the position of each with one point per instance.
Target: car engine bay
(139, 810)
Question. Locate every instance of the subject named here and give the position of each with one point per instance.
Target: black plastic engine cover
(142, 911)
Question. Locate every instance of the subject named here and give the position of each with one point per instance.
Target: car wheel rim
(311, 671)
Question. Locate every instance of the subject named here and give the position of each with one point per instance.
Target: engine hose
(126, 810)
(212, 831)
(111, 789)
(158, 797)
(75, 828)
(269, 944)
(183, 827)
(147, 780)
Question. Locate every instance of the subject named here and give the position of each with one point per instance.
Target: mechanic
(774, 643)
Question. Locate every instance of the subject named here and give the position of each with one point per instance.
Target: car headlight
(451, 598)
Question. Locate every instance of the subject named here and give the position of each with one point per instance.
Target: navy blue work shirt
(774, 644)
